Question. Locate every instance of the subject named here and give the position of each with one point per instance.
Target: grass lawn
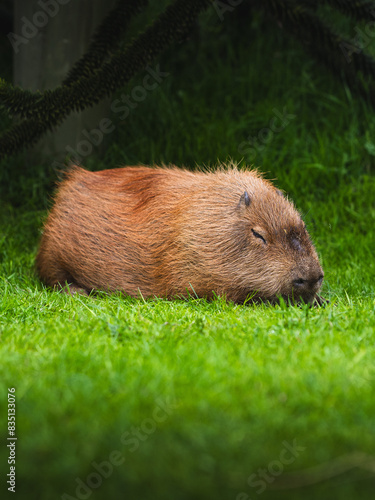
(126, 398)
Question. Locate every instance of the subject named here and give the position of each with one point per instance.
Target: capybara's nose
(306, 289)
(311, 282)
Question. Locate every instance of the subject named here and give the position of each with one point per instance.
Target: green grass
(92, 375)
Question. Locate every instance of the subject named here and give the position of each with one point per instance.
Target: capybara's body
(168, 232)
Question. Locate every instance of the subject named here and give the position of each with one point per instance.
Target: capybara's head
(281, 258)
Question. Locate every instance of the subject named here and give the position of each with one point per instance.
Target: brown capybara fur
(168, 232)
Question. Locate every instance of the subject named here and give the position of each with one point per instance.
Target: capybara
(170, 232)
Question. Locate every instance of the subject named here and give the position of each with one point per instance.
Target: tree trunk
(55, 34)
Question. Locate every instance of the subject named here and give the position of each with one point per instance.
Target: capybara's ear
(244, 200)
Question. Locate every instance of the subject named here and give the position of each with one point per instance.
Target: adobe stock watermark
(265, 476)
(122, 107)
(253, 145)
(360, 41)
(30, 27)
(222, 7)
(131, 440)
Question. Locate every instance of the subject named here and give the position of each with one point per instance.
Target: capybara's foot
(72, 289)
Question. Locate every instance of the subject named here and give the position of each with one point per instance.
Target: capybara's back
(168, 232)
